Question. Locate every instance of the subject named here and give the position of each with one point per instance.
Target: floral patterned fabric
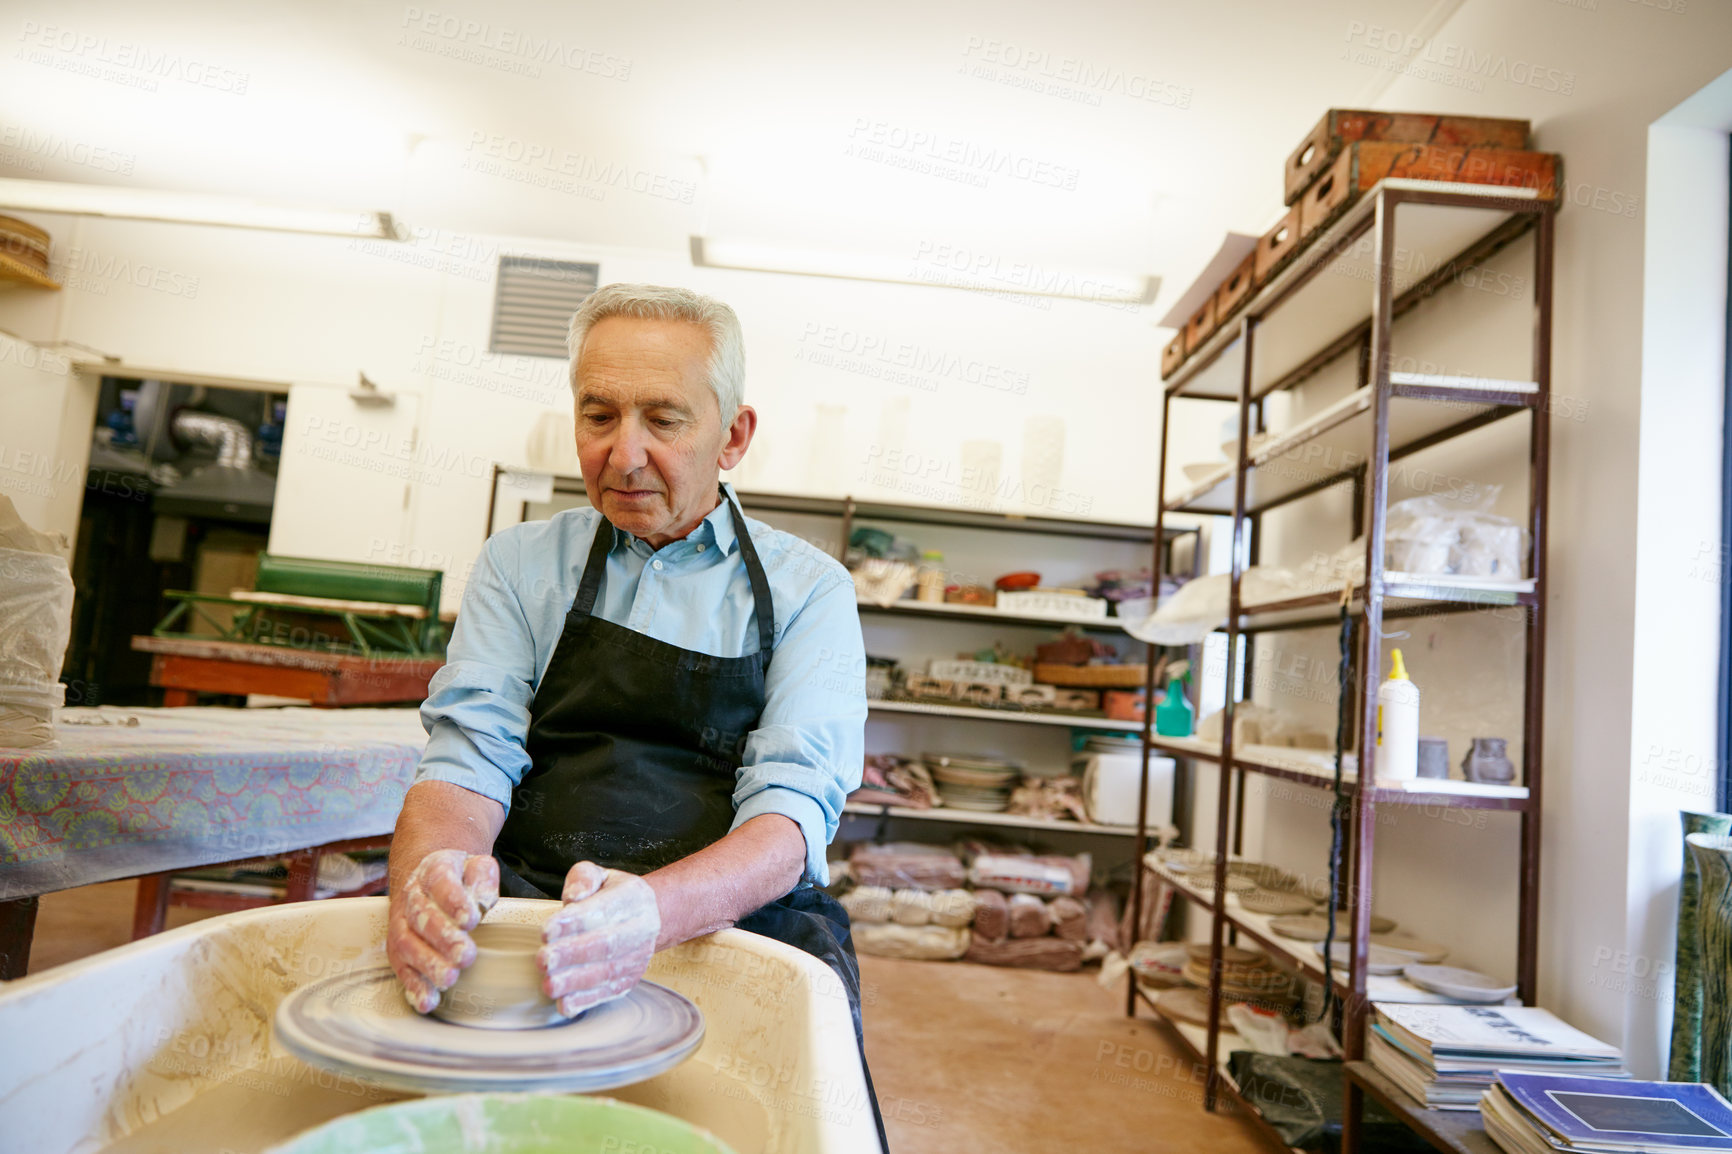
(191, 787)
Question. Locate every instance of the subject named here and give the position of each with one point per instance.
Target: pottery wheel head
(359, 1024)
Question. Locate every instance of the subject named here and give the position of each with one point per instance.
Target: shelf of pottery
(1379, 389)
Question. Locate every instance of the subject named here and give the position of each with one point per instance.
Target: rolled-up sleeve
(477, 708)
(808, 751)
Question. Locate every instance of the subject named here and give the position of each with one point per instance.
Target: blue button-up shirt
(808, 750)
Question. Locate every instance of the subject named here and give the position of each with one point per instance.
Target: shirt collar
(715, 530)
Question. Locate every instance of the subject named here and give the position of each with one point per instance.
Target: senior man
(653, 708)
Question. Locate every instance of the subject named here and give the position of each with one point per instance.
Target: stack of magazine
(1446, 1057)
(1549, 1113)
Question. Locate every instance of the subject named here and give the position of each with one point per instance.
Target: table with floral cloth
(132, 792)
(190, 787)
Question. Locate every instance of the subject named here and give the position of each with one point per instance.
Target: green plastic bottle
(1173, 716)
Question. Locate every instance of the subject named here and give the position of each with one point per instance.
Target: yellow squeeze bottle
(1397, 725)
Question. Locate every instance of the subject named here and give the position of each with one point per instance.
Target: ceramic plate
(1453, 982)
(1261, 901)
(1344, 920)
(1418, 949)
(359, 1024)
(1379, 961)
(1303, 928)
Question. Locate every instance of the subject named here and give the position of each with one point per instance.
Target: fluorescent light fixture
(934, 266)
(189, 208)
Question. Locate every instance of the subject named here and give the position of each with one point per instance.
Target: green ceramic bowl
(505, 1124)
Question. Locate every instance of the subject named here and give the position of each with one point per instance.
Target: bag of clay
(867, 904)
(35, 623)
(1050, 876)
(920, 943)
(906, 865)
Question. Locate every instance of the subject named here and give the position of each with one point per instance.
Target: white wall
(1680, 558)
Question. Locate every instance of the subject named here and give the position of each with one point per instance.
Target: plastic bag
(35, 624)
(1437, 536)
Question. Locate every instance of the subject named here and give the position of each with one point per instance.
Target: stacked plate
(24, 242)
(1247, 975)
(980, 784)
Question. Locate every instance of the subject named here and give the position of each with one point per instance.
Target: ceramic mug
(1433, 757)
(501, 989)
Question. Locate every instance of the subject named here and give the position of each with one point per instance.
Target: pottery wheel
(359, 1024)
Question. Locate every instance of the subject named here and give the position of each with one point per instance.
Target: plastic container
(1112, 780)
(165, 1044)
(1397, 724)
(1173, 716)
(929, 578)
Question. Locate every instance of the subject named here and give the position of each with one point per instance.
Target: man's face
(650, 435)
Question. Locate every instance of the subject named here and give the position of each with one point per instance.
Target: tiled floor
(965, 1058)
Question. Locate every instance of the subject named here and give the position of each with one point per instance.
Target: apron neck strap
(584, 604)
(755, 574)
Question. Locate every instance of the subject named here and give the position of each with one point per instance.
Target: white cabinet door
(343, 486)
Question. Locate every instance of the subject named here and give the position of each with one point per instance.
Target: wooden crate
(1343, 126)
(1173, 355)
(1328, 194)
(1200, 327)
(1235, 290)
(1360, 166)
(1276, 247)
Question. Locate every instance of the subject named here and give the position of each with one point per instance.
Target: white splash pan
(165, 1044)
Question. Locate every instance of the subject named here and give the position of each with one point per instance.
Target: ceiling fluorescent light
(933, 266)
(189, 208)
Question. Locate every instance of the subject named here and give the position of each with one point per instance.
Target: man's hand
(600, 942)
(427, 934)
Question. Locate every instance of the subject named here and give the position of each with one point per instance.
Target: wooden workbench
(184, 667)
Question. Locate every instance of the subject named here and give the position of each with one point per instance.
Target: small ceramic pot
(501, 989)
(1487, 762)
(1433, 757)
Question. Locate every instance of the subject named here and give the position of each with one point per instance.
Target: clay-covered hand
(601, 941)
(427, 933)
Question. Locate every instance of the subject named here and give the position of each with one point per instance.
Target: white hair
(727, 366)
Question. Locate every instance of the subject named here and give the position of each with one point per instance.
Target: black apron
(634, 745)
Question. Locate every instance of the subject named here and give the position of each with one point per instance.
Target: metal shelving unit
(1339, 299)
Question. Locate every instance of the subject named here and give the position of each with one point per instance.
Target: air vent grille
(533, 302)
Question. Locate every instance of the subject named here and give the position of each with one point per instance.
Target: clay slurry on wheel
(359, 1024)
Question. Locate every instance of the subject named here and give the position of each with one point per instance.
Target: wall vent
(533, 300)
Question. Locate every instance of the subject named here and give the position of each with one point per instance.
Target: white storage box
(1111, 782)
